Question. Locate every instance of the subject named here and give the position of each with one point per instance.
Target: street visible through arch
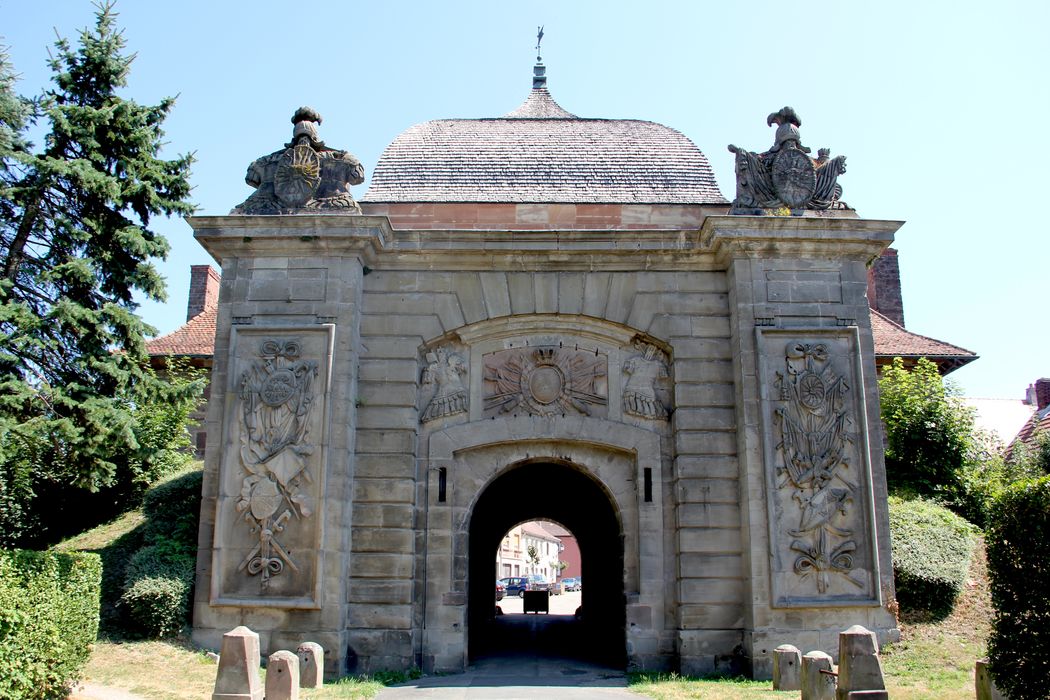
(565, 494)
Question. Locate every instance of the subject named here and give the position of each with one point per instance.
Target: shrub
(48, 620)
(929, 432)
(158, 578)
(1018, 539)
(931, 554)
(157, 605)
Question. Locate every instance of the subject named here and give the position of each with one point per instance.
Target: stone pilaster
(803, 356)
(275, 546)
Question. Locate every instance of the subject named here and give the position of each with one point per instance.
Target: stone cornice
(311, 234)
(719, 240)
(732, 237)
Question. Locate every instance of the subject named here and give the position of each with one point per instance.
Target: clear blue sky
(940, 108)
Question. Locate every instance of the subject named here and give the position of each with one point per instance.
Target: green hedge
(158, 578)
(932, 548)
(48, 620)
(1018, 539)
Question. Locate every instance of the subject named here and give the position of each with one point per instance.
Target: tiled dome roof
(539, 153)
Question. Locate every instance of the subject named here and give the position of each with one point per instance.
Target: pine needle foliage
(76, 247)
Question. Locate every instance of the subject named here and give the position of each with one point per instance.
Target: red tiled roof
(893, 340)
(539, 153)
(1040, 423)
(196, 338)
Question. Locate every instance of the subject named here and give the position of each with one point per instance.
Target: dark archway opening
(537, 491)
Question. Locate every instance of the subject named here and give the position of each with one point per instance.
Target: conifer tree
(75, 247)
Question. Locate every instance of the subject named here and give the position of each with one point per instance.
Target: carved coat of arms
(545, 381)
(276, 394)
(304, 175)
(786, 175)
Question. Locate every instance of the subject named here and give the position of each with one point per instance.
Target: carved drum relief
(817, 455)
(273, 471)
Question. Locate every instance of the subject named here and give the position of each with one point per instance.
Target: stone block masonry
(383, 396)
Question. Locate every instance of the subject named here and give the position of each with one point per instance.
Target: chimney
(204, 290)
(1042, 393)
(884, 286)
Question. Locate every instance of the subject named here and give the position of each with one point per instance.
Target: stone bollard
(787, 668)
(311, 665)
(984, 685)
(859, 666)
(817, 685)
(238, 675)
(282, 676)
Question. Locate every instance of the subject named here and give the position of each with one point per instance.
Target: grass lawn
(935, 658)
(174, 670)
(933, 661)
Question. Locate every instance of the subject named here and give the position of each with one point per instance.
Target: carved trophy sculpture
(546, 381)
(304, 176)
(443, 377)
(645, 392)
(813, 427)
(786, 176)
(276, 396)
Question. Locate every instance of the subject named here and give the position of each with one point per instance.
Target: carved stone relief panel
(268, 529)
(545, 380)
(817, 462)
(646, 389)
(444, 392)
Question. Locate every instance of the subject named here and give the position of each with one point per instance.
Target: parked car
(514, 585)
(538, 583)
(517, 585)
(500, 591)
(571, 584)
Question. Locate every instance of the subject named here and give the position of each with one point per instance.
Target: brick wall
(1042, 393)
(884, 286)
(204, 289)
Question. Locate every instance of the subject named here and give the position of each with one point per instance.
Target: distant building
(514, 559)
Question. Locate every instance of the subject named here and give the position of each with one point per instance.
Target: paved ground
(538, 657)
(518, 678)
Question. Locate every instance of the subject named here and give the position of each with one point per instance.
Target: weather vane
(539, 38)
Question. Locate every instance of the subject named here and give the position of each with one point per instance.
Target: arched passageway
(563, 493)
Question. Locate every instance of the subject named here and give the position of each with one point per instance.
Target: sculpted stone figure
(785, 175)
(443, 375)
(645, 373)
(304, 175)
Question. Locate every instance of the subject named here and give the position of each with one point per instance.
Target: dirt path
(93, 691)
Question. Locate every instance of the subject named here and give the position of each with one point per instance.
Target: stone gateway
(541, 316)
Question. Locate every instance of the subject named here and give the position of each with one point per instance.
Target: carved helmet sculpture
(785, 176)
(305, 176)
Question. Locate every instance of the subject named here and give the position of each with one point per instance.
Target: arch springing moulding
(786, 176)
(305, 176)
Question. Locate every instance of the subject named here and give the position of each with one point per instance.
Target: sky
(938, 106)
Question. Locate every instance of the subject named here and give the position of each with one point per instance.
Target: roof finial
(539, 73)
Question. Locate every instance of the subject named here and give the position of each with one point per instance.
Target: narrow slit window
(442, 484)
(648, 485)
